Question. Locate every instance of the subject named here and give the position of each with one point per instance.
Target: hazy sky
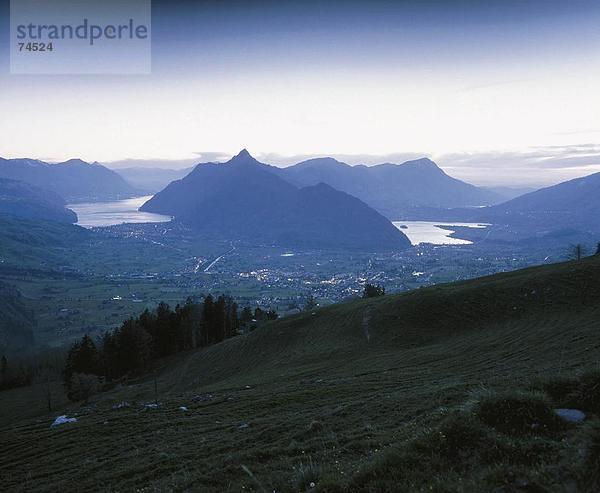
(498, 92)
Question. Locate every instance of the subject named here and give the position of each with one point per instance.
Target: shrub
(560, 389)
(587, 395)
(581, 393)
(591, 478)
(449, 449)
(83, 387)
(519, 413)
(456, 440)
(307, 476)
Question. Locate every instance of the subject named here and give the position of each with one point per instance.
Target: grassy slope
(313, 388)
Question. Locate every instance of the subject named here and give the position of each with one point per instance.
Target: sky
(496, 92)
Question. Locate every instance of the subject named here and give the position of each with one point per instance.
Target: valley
(118, 271)
(308, 399)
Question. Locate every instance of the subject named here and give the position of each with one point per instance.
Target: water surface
(429, 232)
(99, 214)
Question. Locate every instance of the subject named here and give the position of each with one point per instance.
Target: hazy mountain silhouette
(244, 198)
(27, 201)
(151, 180)
(74, 180)
(571, 204)
(394, 190)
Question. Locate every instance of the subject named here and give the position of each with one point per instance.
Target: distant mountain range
(573, 204)
(151, 180)
(245, 198)
(395, 190)
(74, 180)
(565, 213)
(30, 202)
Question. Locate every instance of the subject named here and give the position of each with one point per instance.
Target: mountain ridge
(75, 180)
(392, 189)
(244, 197)
(30, 202)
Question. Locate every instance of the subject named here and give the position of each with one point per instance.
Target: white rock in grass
(61, 420)
(571, 415)
(183, 408)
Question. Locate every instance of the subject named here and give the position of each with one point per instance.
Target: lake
(428, 232)
(99, 214)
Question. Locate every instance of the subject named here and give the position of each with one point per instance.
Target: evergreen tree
(220, 319)
(82, 387)
(310, 303)
(3, 368)
(208, 321)
(372, 291)
(234, 324)
(82, 358)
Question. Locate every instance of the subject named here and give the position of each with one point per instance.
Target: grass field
(372, 395)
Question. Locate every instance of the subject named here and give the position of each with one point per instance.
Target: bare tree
(45, 377)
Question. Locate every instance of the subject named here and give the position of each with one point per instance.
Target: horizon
(500, 94)
(397, 159)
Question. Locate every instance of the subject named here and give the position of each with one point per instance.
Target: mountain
(565, 213)
(27, 201)
(509, 193)
(151, 180)
(429, 390)
(245, 199)
(562, 214)
(574, 203)
(393, 190)
(17, 321)
(74, 180)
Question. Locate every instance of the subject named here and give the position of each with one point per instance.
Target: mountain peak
(321, 162)
(423, 162)
(243, 154)
(243, 157)
(74, 161)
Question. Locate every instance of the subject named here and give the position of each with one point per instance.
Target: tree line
(154, 334)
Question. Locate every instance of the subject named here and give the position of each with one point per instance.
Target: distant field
(70, 276)
(333, 398)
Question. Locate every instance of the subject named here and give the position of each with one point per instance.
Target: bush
(451, 448)
(307, 476)
(83, 386)
(560, 389)
(580, 393)
(519, 413)
(587, 395)
(591, 478)
(456, 440)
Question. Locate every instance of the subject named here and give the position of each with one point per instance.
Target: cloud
(538, 166)
(534, 167)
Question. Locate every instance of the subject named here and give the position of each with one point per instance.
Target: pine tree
(311, 303)
(208, 321)
(3, 367)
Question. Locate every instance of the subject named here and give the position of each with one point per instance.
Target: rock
(243, 426)
(571, 415)
(61, 420)
(121, 405)
(183, 408)
(203, 398)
